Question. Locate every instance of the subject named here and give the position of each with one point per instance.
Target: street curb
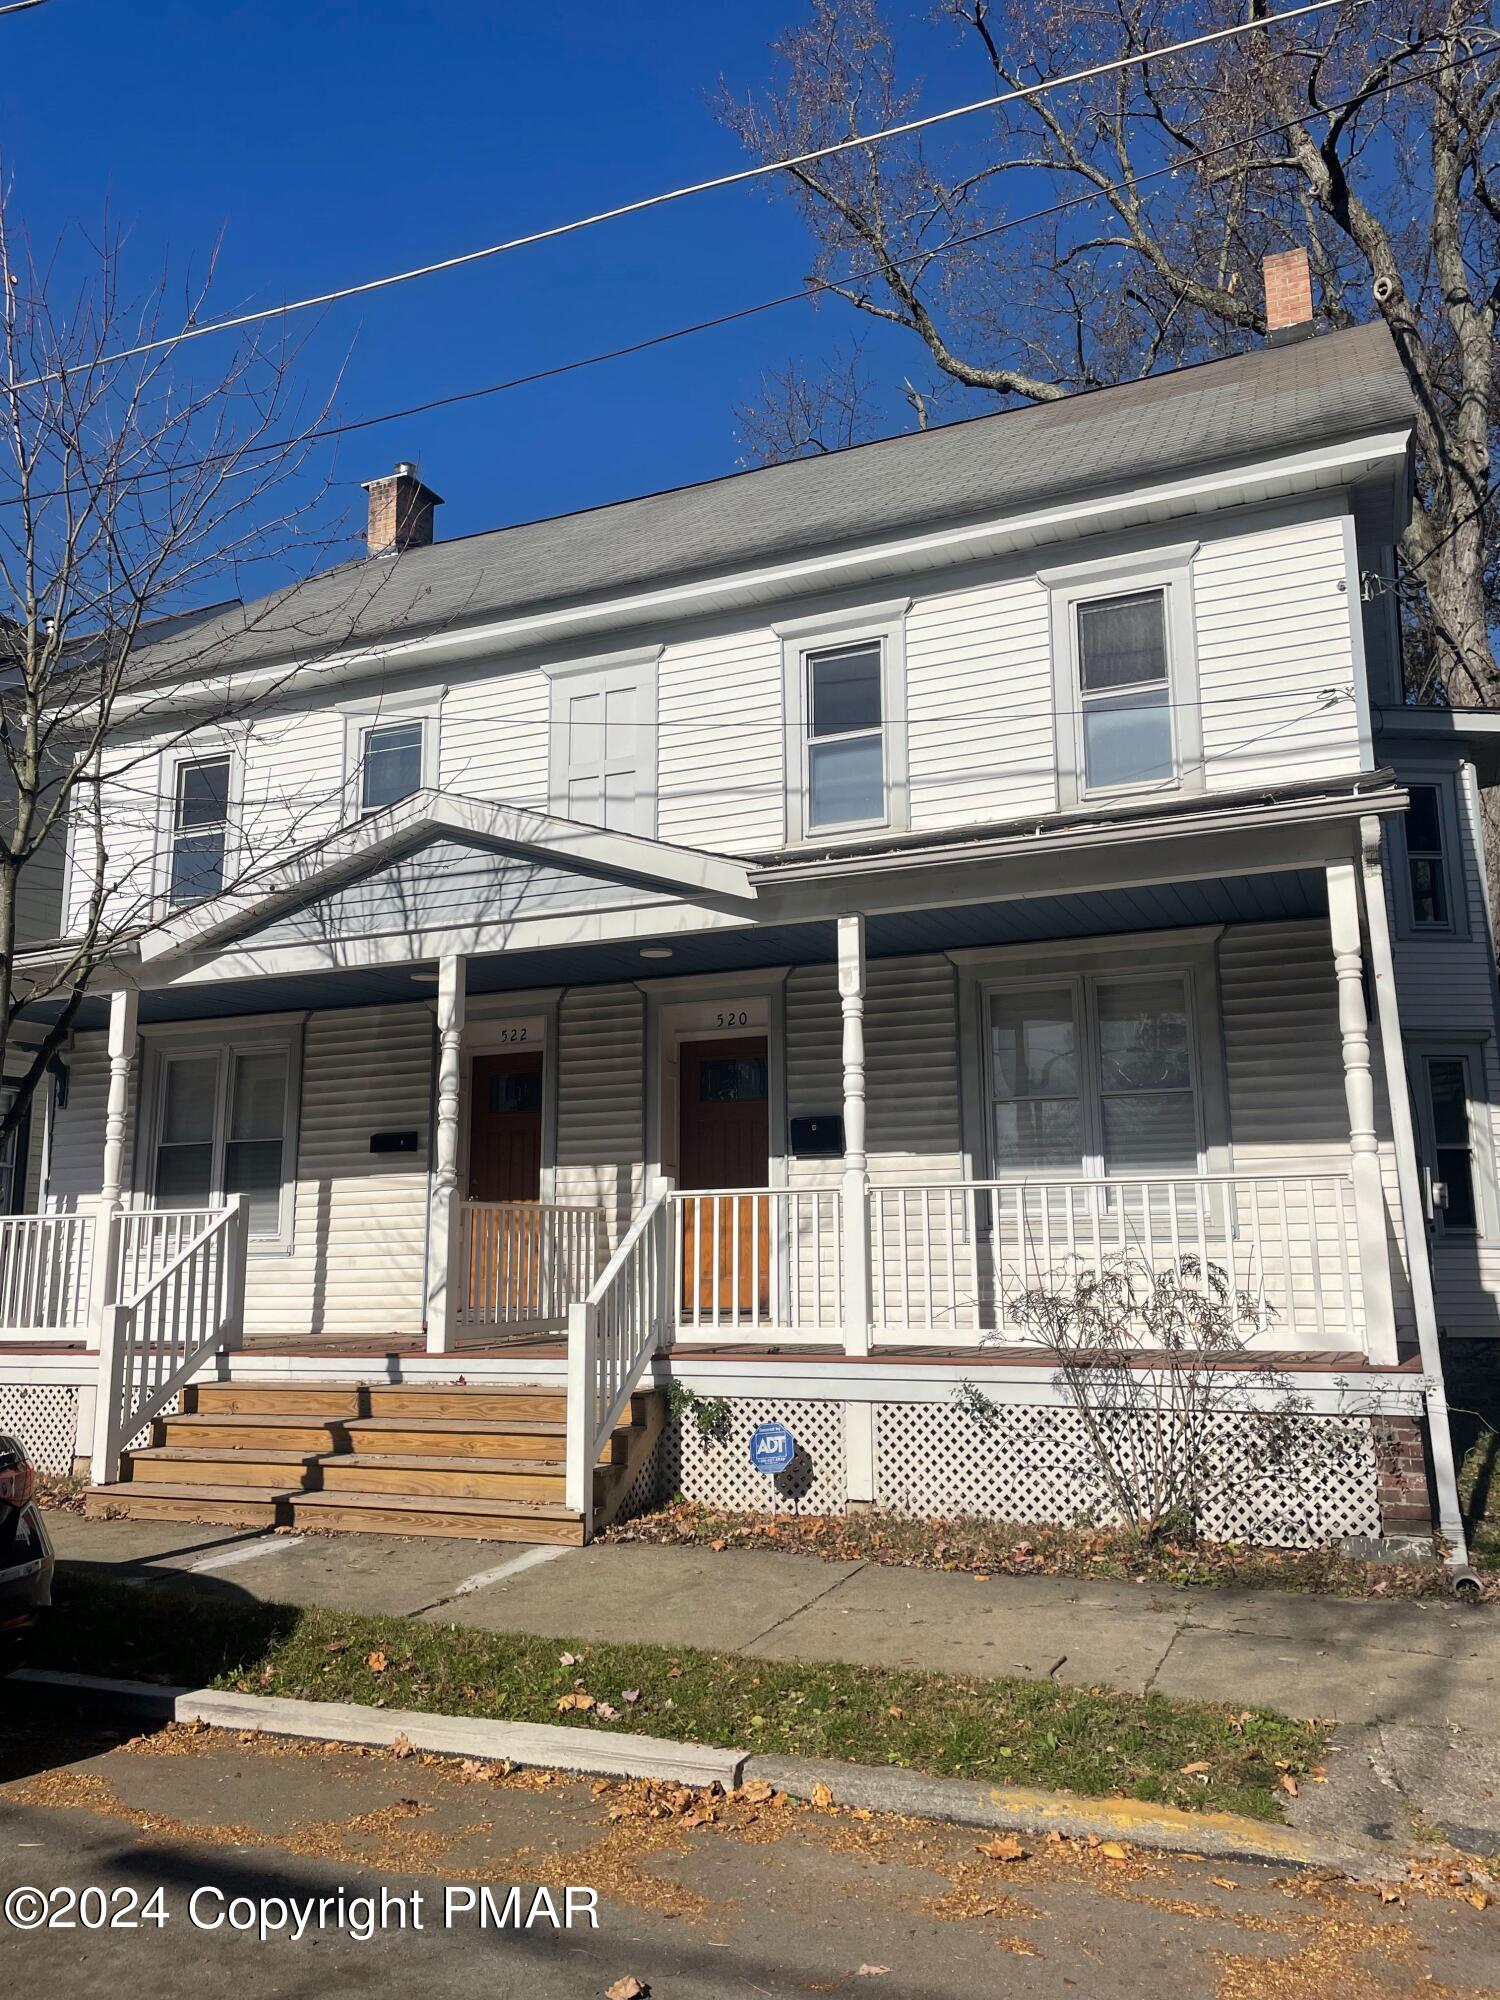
(960, 1801)
(553, 1746)
(1216, 1836)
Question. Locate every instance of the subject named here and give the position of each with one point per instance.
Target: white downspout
(1408, 1175)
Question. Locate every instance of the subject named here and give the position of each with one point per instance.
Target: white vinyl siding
(720, 756)
(601, 1098)
(495, 734)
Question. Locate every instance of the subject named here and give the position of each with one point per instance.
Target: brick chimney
(1289, 309)
(400, 511)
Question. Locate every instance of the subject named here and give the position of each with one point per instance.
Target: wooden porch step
(181, 1465)
(477, 1478)
(525, 1402)
(438, 1437)
(345, 1513)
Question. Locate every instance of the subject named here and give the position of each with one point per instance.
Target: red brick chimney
(1289, 308)
(401, 510)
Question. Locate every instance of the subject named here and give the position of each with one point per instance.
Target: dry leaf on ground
(1004, 1847)
(628, 1988)
(821, 1794)
(376, 1662)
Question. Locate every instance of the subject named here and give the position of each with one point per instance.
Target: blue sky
(331, 142)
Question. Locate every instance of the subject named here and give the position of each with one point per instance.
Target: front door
(724, 1141)
(505, 1182)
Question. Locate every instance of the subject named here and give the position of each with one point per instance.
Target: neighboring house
(977, 850)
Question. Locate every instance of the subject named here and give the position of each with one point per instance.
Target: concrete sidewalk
(1415, 1687)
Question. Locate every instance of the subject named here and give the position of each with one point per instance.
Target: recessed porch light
(423, 977)
(656, 951)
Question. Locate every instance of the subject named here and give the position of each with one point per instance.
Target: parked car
(25, 1554)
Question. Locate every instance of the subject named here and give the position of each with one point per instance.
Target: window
(390, 764)
(1457, 1172)
(200, 827)
(1425, 867)
(845, 738)
(844, 690)
(222, 1129)
(603, 742)
(1093, 1076)
(1123, 690)
(1125, 675)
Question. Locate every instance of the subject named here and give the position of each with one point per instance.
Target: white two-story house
(748, 935)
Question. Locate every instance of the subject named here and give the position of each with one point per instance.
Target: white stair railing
(612, 1335)
(154, 1339)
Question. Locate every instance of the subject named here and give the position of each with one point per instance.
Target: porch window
(845, 737)
(1426, 868)
(200, 827)
(221, 1129)
(1124, 690)
(390, 764)
(1093, 1077)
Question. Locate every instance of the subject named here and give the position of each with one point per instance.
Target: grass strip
(1011, 1731)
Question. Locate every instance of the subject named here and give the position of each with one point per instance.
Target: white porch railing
(767, 1261)
(949, 1262)
(153, 1339)
(612, 1335)
(524, 1263)
(45, 1266)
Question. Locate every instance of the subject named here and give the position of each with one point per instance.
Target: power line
(811, 289)
(645, 202)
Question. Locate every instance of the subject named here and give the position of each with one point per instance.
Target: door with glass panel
(724, 1142)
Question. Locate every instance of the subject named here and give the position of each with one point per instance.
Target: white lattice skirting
(1030, 1463)
(44, 1417)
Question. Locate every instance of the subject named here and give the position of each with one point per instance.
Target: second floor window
(1425, 863)
(390, 764)
(1124, 690)
(200, 828)
(845, 737)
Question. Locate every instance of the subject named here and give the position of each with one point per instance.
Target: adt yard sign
(772, 1448)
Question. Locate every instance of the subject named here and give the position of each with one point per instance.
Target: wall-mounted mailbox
(818, 1138)
(393, 1142)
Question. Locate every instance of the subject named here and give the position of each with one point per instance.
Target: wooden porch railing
(949, 1262)
(524, 1263)
(767, 1261)
(155, 1338)
(45, 1267)
(612, 1335)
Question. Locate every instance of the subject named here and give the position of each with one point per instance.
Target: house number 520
(737, 1017)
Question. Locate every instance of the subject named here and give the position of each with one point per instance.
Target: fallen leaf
(871, 1971)
(628, 1988)
(1480, 1900)
(403, 1747)
(821, 1796)
(756, 1792)
(376, 1662)
(567, 1659)
(630, 1694)
(606, 1713)
(1114, 1850)
(1223, 1882)
(1288, 1784)
(1388, 1894)
(1192, 1770)
(575, 1700)
(897, 1712)
(1004, 1847)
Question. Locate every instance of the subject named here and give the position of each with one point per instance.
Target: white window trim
(884, 624)
(1170, 571)
(1190, 953)
(161, 1044)
(173, 761)
(379, 711)
(1454, 873)
(1473, 1053)
(640, 661)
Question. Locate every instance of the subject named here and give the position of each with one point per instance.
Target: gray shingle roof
(1193, 420)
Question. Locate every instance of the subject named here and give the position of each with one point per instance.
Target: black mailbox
(393, 1142)
(818, 1138)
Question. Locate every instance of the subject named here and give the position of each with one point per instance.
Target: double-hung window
(1124, 676)
(390, 764)
(1093, 1076)
(199, 833)
(844, 682)
(222, 1127)
(1450, 1101)
(1426, 863)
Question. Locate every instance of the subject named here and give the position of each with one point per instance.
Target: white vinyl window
(1427, 830)
(1093, 1077)
(1452, 1114)
(602, 748)
(222, 1127)
(199, 831)
(1124, 676)
(390, 750)
(844, 689)
(390, 764)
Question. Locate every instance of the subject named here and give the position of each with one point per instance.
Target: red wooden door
(724, 1141)
(505, 1165)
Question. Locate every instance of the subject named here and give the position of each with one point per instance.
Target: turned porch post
(443, 1213)
(859, 1418)
(123, 1014)
(1359, 1094)
(104, 1316)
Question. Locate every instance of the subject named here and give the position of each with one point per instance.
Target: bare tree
(1367, 133)
(135, 497)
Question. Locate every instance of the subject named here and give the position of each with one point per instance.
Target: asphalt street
(687, 1896)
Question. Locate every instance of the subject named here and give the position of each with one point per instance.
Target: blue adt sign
(772, 1448)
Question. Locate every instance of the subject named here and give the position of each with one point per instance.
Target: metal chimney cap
(406, 468)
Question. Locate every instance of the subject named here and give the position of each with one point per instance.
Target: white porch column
(1359, 1094)
(104, 1314)
(859, 1418)
(124, 1009)
(443, 1216)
